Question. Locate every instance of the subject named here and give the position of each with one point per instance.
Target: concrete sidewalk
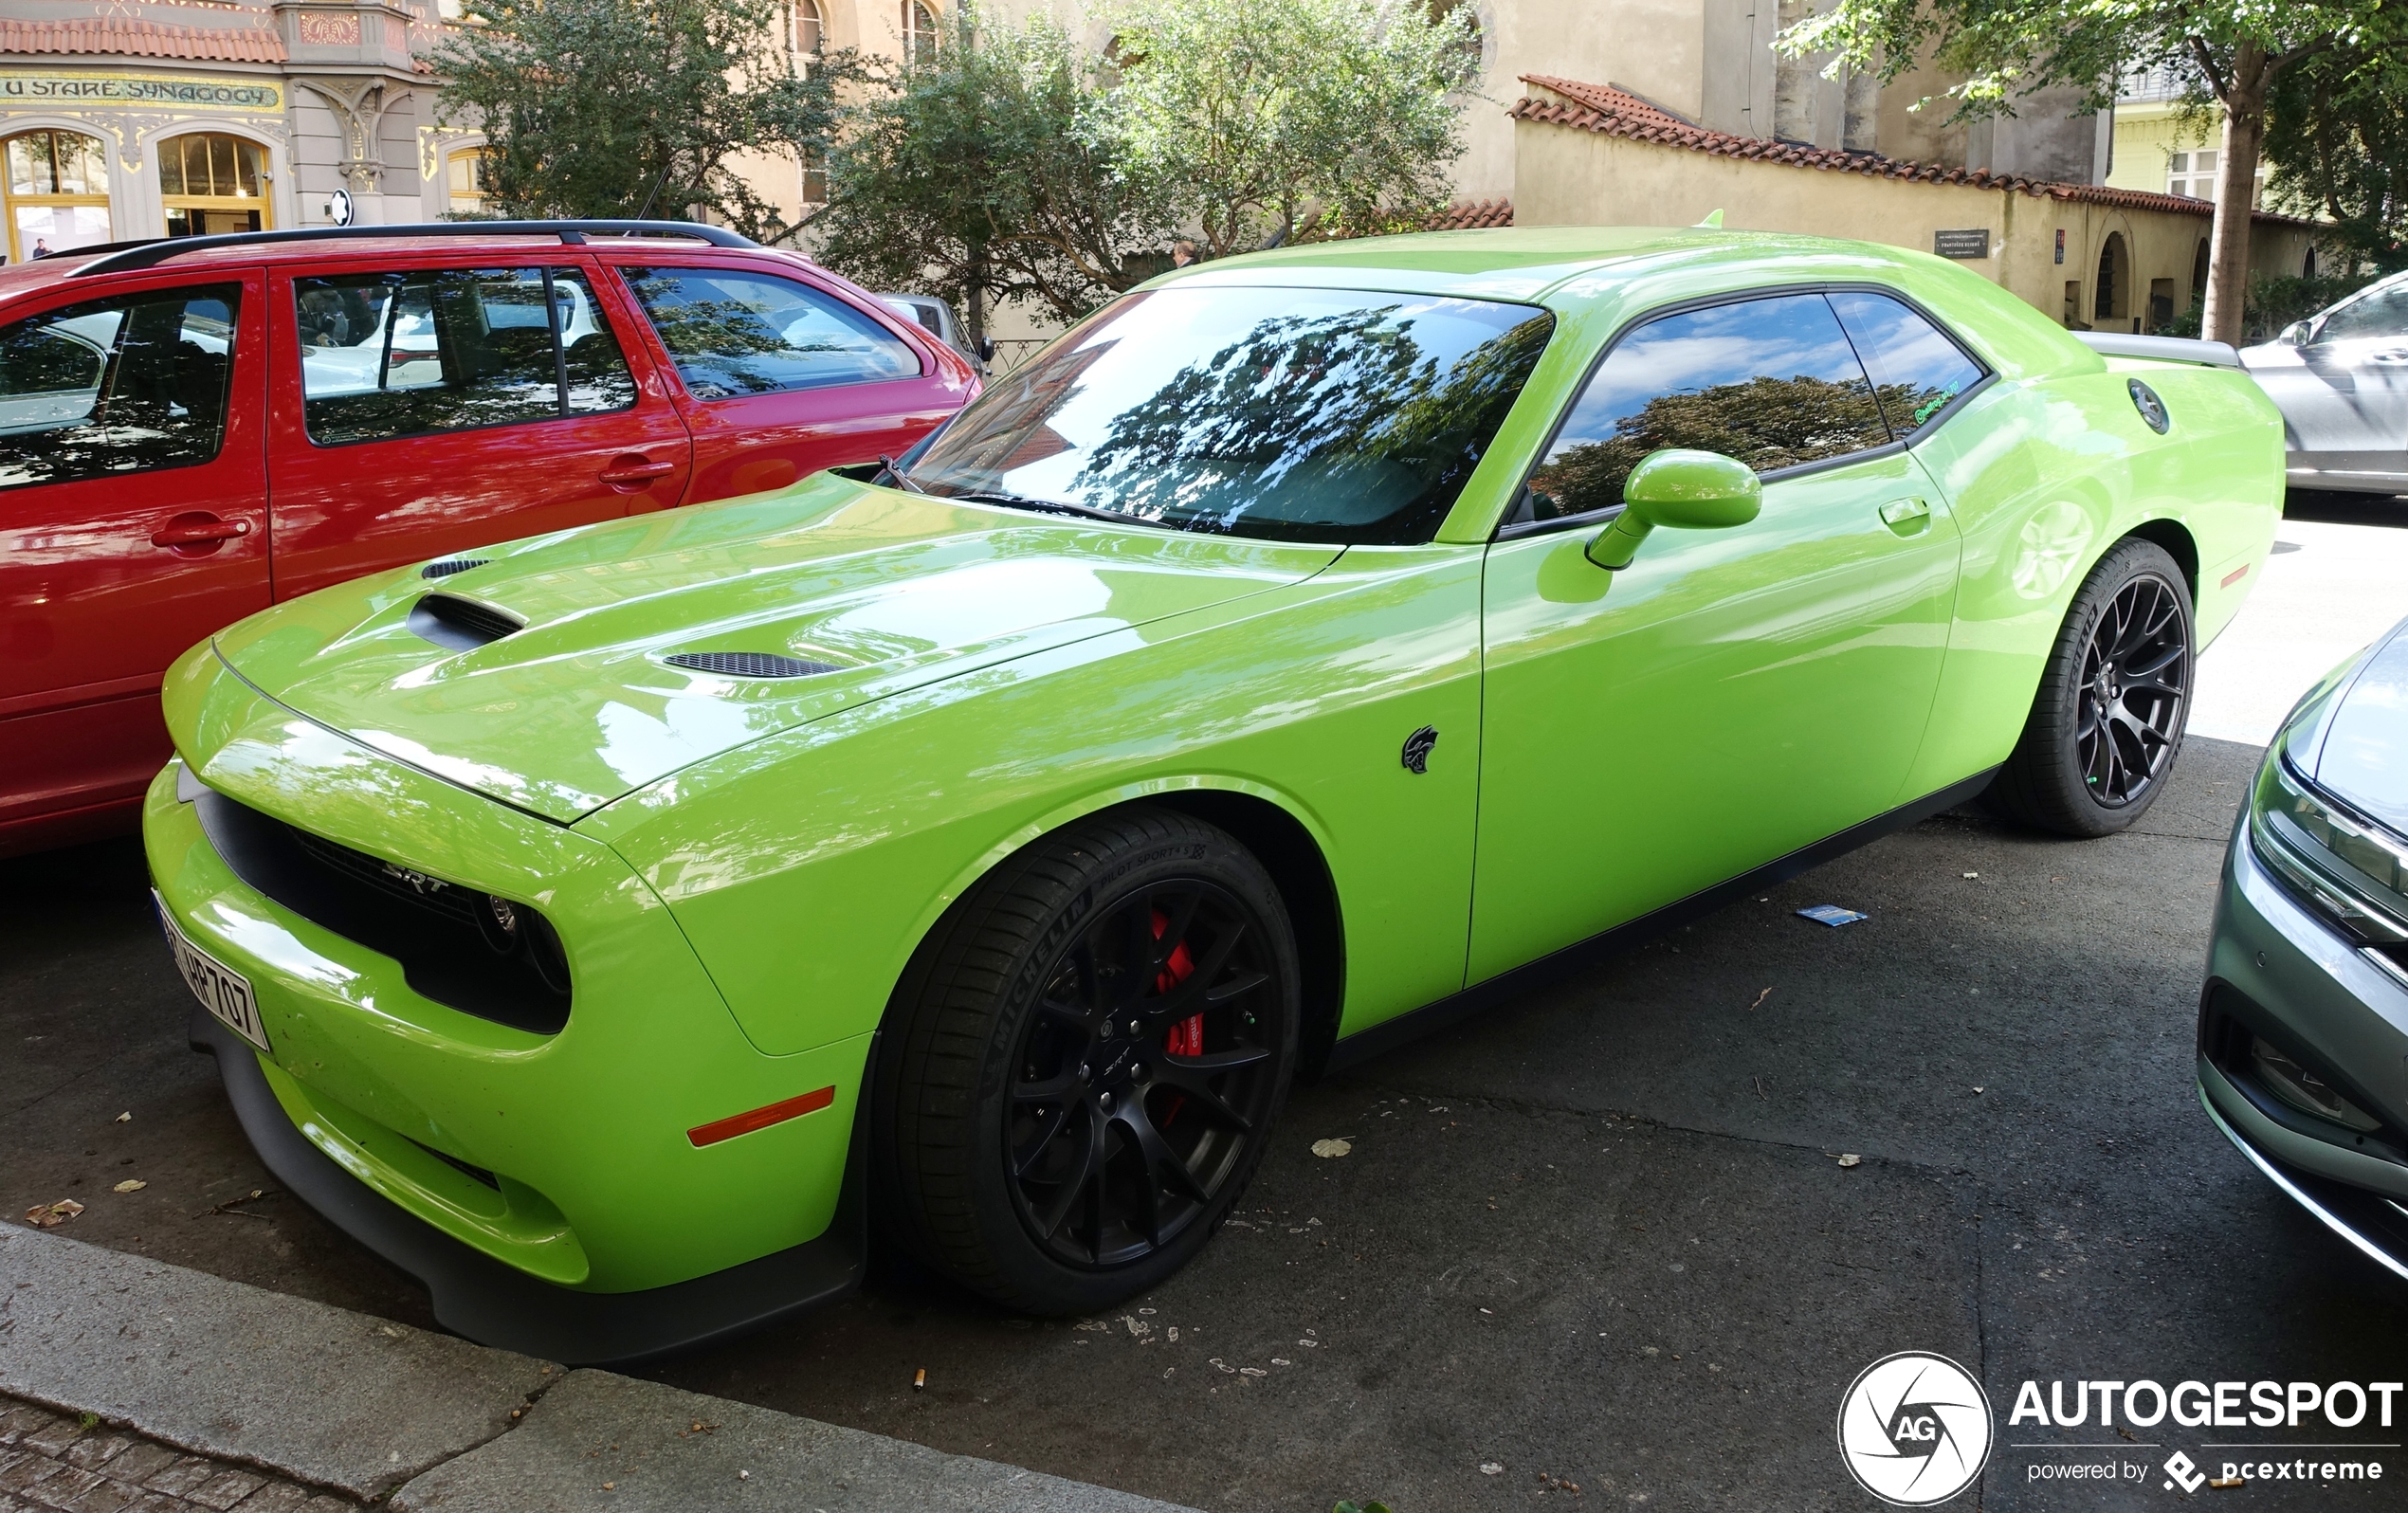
(379, 1411)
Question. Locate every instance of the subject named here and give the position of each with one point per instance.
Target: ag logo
(1914, 1428)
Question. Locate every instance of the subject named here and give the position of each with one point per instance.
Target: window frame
(590, 273)
(1509, 529)
(189, 284)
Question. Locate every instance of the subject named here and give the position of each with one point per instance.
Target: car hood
(577, 707)
(2357, 746)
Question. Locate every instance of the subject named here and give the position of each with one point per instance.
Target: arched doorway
(58, 192)
(2111, 297)
(2199, 274)
(211, 182)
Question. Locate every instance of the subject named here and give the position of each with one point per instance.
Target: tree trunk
(2244, 102)
(974, 288)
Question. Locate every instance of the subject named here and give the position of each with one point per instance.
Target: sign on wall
(1963, 245)
(182, 91)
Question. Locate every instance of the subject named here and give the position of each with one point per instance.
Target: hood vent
(750, 664)
(460, 625)
(446, 569)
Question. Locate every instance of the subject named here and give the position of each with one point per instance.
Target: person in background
(40, 246)
(1182, 252)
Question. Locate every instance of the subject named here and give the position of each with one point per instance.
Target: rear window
(1301, 415)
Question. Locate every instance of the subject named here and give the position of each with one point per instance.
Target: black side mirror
(986, 349)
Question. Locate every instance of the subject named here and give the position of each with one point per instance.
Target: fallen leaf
(1852, 1161)
(52, 1216)
(1331, 1149)
(1760, 997)
(129, 1185)
(126, 1117)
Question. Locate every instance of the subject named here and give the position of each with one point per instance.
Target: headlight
(2344, 868)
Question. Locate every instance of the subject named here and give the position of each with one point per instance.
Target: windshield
(1299, 414)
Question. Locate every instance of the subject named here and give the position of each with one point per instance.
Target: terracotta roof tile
(1616, 113)
(143, 39)
(1470, 215)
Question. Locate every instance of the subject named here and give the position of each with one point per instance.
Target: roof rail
(152, 253)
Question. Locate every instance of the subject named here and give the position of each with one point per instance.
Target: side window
(130, 385)
(2384, 313)
(732, 334)
(1915, 367)
(1771, 381)
(392, 354)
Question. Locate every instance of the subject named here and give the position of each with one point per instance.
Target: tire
(2129, 647)
(1008, 1055)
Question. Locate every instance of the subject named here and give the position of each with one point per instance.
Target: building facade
(145, 118)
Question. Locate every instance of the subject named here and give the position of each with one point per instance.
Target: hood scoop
(750, 664)
(450, 565)
(460, 625)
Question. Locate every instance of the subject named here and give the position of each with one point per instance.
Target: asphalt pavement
(1597, 1246)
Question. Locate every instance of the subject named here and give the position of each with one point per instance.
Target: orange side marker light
(778, 1113)
(2235, 576)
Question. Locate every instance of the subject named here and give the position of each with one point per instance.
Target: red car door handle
(196, 529)
(635, 469)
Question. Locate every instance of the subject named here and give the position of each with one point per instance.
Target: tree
(2233, 50)
(1302, 118)
(627, 107)
(984, 175)
(2336, 142)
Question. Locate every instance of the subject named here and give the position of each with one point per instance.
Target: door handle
(634, 468)
(198, 530)
(1908, 517)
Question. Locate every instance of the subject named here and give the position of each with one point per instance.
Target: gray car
(2340, 380)
(2303, 1048)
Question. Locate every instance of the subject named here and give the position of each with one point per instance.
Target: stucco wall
(1571, 177)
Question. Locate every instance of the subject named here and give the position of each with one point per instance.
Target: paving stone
(278, 1497)
(58, 1491)
(324, 1502)
(187, 1473)
(140, 1461)
(53, 1437)
(109, 1496)
(27, 1470)
(226, 1490)
(158, 1503)
(15, 1421)
(95, 1450)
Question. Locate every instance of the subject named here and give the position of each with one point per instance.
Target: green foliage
(1302, 118)
(605, 107)
(2337, 146)
(985, 174)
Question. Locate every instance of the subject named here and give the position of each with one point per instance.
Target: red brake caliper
(1186, 1038)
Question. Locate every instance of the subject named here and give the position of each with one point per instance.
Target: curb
(379, 1411)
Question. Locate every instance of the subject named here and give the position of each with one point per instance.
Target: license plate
(223, 991)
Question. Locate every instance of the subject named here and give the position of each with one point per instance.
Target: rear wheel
(1082, 1066)
(2108, 721)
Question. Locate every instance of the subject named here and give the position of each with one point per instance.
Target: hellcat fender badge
(1417, 748)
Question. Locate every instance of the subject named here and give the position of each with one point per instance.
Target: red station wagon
(193, 429)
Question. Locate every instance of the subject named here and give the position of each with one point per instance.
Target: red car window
(128, 385)
(733, 333)
(387, 355)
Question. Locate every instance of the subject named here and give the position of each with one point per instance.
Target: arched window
(467, 178)
(214, 183)
(806, 27)
(919, 32)
(58, 192)
(1440, 11)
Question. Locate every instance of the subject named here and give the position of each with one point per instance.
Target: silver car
(2340, 380)
(2302, 1048)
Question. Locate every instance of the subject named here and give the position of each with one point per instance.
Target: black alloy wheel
(1082, 1065)
(1144, 1076)
(2135, 683)
(2106, 722)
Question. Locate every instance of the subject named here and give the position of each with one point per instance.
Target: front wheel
(2108, 721)
(1082, 1066)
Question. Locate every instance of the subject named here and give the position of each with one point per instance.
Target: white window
(919, 32)
(805, 28)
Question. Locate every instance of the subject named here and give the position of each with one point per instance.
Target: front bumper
(2279, 971)
(544, 1186)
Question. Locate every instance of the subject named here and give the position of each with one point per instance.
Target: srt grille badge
(419, 882)
(1417, 748)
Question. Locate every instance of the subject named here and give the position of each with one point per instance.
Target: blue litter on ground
(1833, 915)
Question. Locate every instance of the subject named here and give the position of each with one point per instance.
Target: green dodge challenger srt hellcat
(1305, 650)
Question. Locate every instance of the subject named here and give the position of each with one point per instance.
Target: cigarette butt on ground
(920, 1379)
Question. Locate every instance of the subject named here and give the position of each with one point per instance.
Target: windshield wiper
(894, 470)
(1051, 507)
